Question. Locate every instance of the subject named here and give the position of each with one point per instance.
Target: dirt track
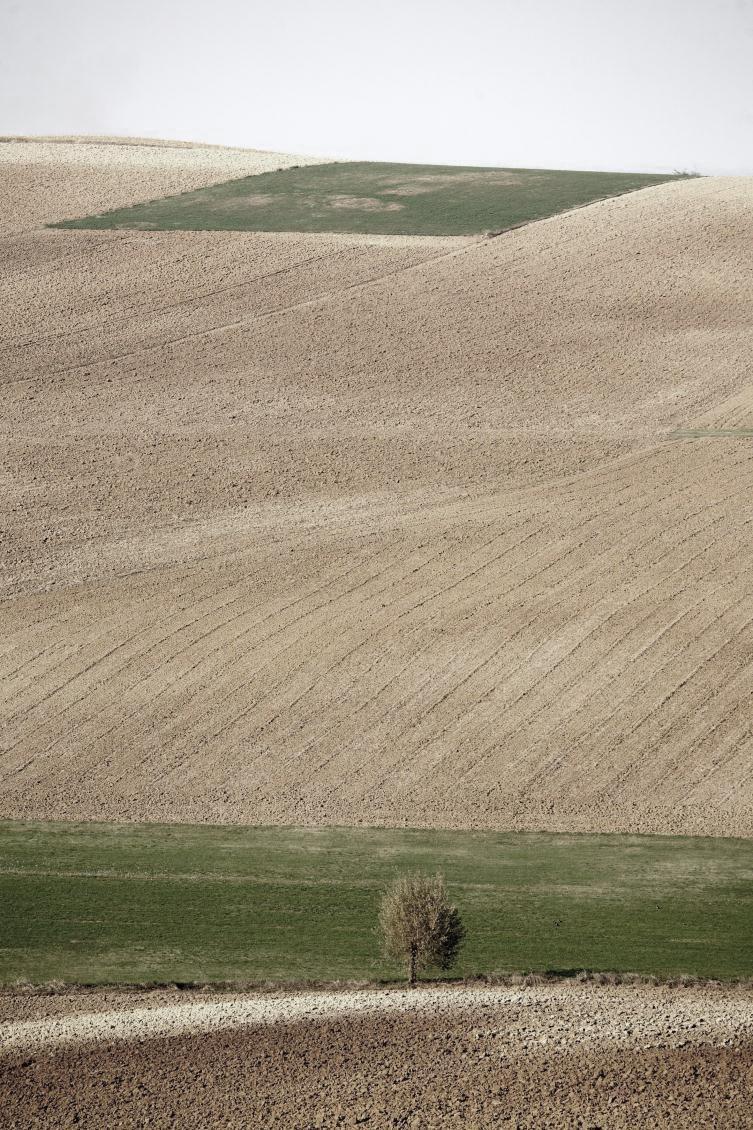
(320, 529)
(551, 1057)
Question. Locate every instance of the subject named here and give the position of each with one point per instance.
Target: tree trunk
(412, 967)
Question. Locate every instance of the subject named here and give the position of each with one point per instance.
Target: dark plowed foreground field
(397, 1071)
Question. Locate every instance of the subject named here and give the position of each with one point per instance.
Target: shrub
(418, 925)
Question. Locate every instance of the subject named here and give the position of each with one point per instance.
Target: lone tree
(418, 924)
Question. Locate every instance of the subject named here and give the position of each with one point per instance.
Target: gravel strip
(560, 1015)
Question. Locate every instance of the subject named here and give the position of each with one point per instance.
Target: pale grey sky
(601, 84)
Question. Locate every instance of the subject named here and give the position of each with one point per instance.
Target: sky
(643, 85)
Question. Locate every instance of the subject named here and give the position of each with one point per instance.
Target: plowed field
(533, 1059)
(340, 529)
(50, 179)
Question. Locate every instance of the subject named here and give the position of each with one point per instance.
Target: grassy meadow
(370, 197)
(93, 903)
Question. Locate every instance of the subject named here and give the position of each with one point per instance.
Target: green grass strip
(96, 903)
(371, 197)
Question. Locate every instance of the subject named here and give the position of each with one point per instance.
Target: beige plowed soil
(554, 1057)
(332, 529)
(49, 179)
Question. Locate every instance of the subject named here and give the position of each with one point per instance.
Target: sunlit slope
(339, 530)
(43, 180)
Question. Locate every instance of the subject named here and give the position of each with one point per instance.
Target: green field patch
(371, 197)
(97, 903)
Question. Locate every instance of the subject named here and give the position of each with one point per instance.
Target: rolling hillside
(309, 528)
